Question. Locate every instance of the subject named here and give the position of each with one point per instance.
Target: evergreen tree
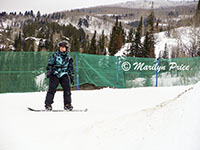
(41, 45)
(38, 14)
(93, 45)
(113, 45)
(75, 44)
(117, 38)
(149, 38)
(152, 46)
(136, 48)
(150, 22)
(157, 26)
(82, 37)
(122, 33)
(80, 22)
(146, 45)
(101, 44)
(130, 36)
(18, 42)
(31, 13)
(197, 15)
(29, 45)
(29, 29)
(86, 44)
(52, 31)
(198, 6)
(165, 53)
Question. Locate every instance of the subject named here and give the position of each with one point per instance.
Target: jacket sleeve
(51, 62)
(71, 68)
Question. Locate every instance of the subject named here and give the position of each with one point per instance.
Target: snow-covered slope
(182, 39)
(94, 23)
(141, 118)
(157, 3)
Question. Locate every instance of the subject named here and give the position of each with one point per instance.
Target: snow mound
(173, 124)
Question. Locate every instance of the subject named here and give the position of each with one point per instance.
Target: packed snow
(151, 118)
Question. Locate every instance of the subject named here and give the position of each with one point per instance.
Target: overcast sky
(49, 6)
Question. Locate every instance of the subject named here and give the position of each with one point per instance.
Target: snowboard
(57, 110)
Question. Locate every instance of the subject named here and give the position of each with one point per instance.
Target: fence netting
(26, 71)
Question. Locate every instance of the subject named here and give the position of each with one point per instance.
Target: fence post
(117, 72)
(77, 73)
(157, 72)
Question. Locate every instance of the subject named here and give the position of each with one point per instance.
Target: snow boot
(48, 107)
(68, 107)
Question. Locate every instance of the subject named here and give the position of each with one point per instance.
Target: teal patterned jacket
(60, 63)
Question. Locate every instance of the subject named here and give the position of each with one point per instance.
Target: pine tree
(86, 44)
(157, 26)
(117, 38)
(197, 15)
(41, 45)
(165, 53)
(198, 6)
(122, 33)
(31, 13)
(93, 45)
(101, 44)
(146, 45)
(29, 45)
(82, 37)
(150, 22)
(18, 42)
(113, 45)
(130, 36)
(152, 47)
(38, 14)
(75, 44)
(149, 38)
(136, 48)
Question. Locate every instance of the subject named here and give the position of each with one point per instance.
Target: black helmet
(63, 43)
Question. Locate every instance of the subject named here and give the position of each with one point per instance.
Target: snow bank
(173, 124)
(159, 118)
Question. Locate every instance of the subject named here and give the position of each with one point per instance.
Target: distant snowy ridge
(146, 4)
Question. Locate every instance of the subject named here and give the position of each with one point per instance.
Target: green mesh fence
(100, 70)
(25, 71)
(179, 71)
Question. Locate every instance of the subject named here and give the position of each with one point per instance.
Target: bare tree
(188, 42)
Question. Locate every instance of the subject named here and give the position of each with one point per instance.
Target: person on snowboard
(60, 70)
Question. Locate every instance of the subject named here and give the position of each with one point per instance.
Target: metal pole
(117, 73)
(77, 74)
(157, 72)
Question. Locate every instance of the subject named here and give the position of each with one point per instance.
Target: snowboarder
(60, 70)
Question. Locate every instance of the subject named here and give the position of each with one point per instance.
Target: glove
(72, 80)
(49, 73)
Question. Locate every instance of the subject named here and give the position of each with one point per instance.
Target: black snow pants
(53, 84)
